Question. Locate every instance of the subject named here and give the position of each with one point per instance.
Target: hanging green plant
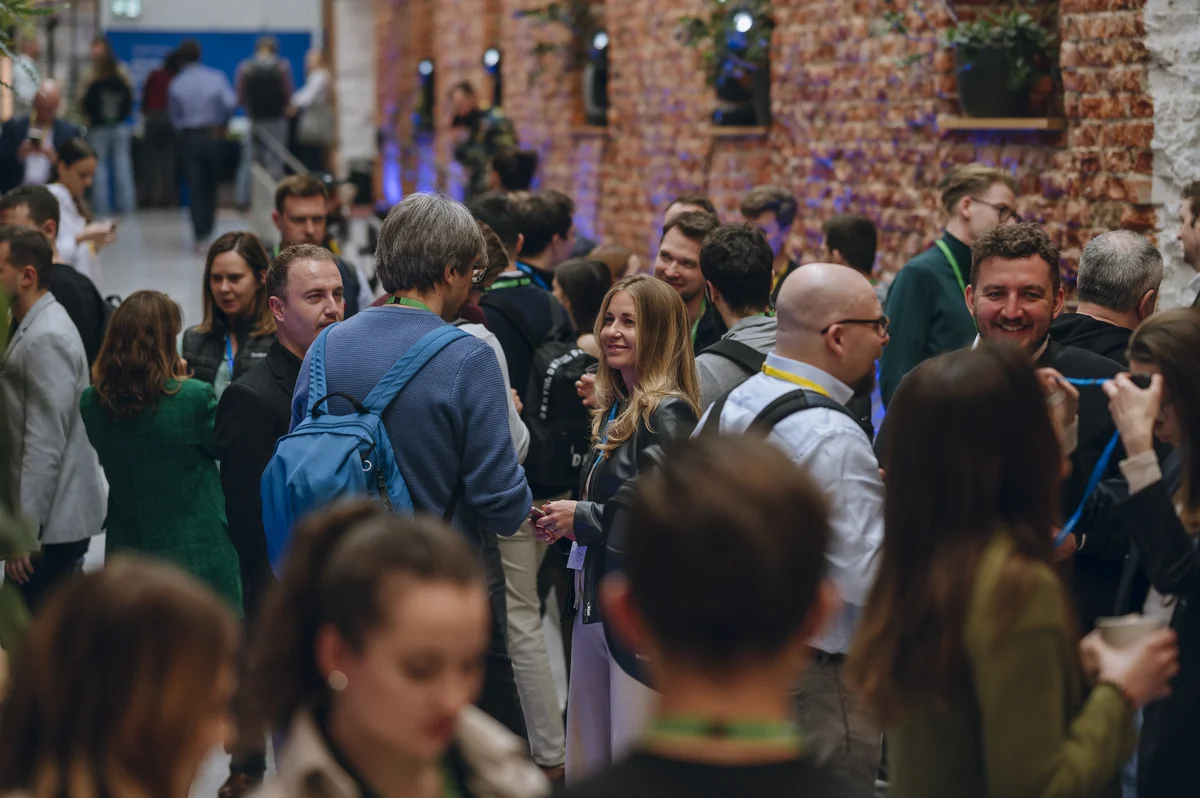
(579, 18)
(733, 32)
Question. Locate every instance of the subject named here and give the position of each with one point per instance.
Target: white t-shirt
(70, 224)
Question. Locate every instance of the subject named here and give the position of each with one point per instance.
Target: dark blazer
(12, 134)
(1094, 572)
(1165, 556)
(603, 479)
(255, 412)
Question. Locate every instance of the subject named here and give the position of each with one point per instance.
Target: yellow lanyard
(780, 374)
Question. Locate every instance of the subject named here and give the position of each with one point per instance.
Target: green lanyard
(696, 323)
(678, 727)
(954, 263)
(408, 303)
(511, 282)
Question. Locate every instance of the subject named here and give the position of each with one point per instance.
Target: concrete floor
(154, 250)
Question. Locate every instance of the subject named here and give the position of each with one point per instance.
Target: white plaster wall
(222, 15)
(1173, 39)
(354, 70)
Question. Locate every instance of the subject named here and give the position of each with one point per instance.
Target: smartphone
(1140, 380)
(536, 513)
(35, 137)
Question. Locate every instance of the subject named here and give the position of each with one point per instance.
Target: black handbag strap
(746, 356)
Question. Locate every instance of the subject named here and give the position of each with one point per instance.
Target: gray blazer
(54, 469)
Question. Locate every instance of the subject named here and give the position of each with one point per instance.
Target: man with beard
(831, 330)
(678, 265)
(1015, 294)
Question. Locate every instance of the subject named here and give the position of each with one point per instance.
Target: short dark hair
(761, 199)
(585, 282)
(969, 180)
(28, 247)
(543, 216)
(699, 200)
(41, 202)
(855, 237)
(500, 212)
(737, 259)
(1014, 242)
(299, 186)
(515, 168)
(1191, 193)
(729, 525)
(277, 275)
(189, 52)
(695, 225)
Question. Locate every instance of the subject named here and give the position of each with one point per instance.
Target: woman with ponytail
(370, 652)
(80, 237)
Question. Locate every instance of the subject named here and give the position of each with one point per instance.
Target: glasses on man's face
(1005, 213)
(880, 324)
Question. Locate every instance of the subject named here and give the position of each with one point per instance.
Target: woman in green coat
(153, 430)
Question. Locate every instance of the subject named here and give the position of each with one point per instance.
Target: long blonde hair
(665, 364)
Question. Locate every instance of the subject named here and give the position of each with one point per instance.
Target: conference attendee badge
(576, 557)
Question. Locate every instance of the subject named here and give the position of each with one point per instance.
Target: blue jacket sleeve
(494, 483)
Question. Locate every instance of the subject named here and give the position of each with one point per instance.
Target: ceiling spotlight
(600, 40)
(491, 57)
(425, 68)
(742, 21)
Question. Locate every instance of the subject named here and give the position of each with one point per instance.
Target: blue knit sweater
(449, 423)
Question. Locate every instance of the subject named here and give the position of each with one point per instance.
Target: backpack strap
(316, 370)
(793, 402)
(420, 353)
(512, 314)
(713, 425)
(746, 356)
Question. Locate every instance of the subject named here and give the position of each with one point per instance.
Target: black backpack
(560, 427)
(264, 90)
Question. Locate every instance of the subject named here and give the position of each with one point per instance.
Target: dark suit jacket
(255, 412)
(1094, 572)
(12, 134)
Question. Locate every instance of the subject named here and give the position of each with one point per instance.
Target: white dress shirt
(837, 455)
(1192, 290)
(70, 224)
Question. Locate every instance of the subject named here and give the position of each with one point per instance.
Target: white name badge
(575, 559)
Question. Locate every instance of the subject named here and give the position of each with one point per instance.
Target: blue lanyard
(229, 355)
(1097, 472)
(533, 275)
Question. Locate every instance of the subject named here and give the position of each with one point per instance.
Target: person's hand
(99, 233)
(1063, 398)
(585, 386)
(1134, 411)
(559, 520)
(26, 149)
(517, 401)
(1065, 549)
(1143, 671)
(19, 568)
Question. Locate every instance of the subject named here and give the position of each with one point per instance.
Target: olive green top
(1024, 730)
(164, 489)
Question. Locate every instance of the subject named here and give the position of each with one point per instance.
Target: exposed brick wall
(852, 131)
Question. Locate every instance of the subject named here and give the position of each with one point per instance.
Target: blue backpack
(328, 457)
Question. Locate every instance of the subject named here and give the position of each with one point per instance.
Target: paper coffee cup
(1125, 630)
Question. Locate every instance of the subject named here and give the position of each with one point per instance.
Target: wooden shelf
(718, 132)
(1007, 123)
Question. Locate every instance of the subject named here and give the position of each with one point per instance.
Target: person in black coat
(305, 290)
(1162, 518)
(26, 158)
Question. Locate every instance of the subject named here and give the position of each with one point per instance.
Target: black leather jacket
(672, 420)
(205, 351)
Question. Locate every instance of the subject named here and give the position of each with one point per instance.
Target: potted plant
(586, 50)
(734, 40)
(999, 57)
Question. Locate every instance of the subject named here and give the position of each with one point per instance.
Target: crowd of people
(761, 589)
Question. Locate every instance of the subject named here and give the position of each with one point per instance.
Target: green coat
(928, 312)
(1023, 729)
(165, 497)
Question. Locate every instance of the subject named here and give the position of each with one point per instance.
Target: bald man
(28, 143)
(831, 330)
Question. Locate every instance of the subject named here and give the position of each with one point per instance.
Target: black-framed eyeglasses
(881, 324)
(1003, 211)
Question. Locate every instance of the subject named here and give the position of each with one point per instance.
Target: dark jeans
(201, 153)
(53, 564)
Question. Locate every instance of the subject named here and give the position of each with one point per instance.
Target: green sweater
(928, 312)
(1025, 729)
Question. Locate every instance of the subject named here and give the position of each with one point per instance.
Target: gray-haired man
(1117, 288)
(449, 426)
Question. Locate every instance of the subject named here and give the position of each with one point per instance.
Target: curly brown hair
(137, 360)
(1015, 242)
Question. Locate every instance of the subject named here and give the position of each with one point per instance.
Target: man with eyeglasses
(925, 301)
(830, 331)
